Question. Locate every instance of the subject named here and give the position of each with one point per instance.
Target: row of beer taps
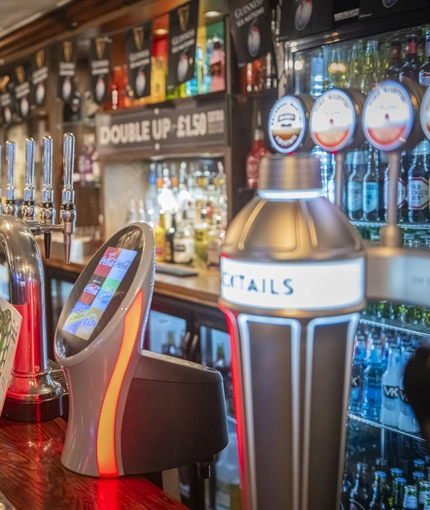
(47, 214)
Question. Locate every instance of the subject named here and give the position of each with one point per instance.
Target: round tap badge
(333, 120)
(425, 113)
(287, 124)
(388, 116)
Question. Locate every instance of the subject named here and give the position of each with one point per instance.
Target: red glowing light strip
(239, 408)
(106, 445)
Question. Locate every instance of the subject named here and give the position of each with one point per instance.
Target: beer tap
(28, 206)
(47, 209)
(10, 206)
(68, 208)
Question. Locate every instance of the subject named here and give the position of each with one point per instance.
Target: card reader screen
(98, 293)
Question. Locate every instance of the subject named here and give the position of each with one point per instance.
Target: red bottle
(253, 159)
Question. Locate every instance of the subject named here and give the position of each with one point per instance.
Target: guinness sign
(22, 90)
(39, 76)
(139, 45)
(100, 55)
(182, 43)
(66, 71)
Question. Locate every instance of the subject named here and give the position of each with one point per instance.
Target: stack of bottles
(187, 207)
(377, 390)
(403, 314)
(387, 488)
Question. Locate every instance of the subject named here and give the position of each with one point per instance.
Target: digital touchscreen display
(98, 293)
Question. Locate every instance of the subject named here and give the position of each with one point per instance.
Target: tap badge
(287, 124)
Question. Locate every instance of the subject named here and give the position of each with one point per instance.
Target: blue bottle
(372, 400)
(357, 373)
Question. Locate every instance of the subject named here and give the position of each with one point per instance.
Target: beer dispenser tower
(294, 277)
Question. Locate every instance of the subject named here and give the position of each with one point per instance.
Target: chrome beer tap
(68, 208)
(28, 206)
(47, 208)
(32, 394)
(10, 206)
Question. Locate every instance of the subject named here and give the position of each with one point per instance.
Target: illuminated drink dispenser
(131, 410)
(292, 271)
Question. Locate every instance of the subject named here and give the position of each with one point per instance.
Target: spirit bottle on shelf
(371, 67)
(395, 62)
(355, 66)
(411, 66)
(424, 74)
(418, 184)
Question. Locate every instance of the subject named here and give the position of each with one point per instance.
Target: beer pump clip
(131, 411)
(289, 124)
(335, 125)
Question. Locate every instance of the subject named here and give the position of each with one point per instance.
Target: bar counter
(203, 288)
(33, 478)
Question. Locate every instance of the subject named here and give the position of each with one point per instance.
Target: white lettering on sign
(299, 286)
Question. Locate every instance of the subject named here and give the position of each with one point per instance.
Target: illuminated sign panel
(304, 286)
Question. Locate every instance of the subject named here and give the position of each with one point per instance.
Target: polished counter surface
(33, 478)
(203, 288)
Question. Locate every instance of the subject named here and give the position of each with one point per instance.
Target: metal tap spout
(10, 206)
(68, 208)
(28, 206)
(47, 208)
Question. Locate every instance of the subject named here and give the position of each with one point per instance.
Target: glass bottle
(395, 62)
(337, 69)
(271, 75)
(427, 502)
(402, 188)
(373, 384)
(410, 501)
(215, 239)
(193, 87)
(158, 80)
(253, 159)
(371, 188)
(407, 420)
(395, 473)
(371, 67)
(354, 187)
(201, 240)
(379, 487)
(217, 66)
(317, 75)
(355, 66)
(183, 242)
(418, 184)
(411, 66)
(390, 389)
(160, 239)
(359, 497)
(170, 233)
(357, 372)
(424, 74)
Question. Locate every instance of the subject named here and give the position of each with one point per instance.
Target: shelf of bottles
(186, 203)
(386, 463)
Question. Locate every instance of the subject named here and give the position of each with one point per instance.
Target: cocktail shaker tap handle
(29, 208)
(47, 210)
(68, 208)
(10, 205)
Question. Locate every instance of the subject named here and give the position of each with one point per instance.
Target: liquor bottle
(357, 372)
(410, 501)
(170, 234)
(371, 67)
(151, 199)
(337, 69)
(193, 87)
(160, 239)
(317, 75)
(215, 239)
(371, 188)
(394, 473)
(411, 66)
(407, 420)
(418, 184)
(402, 188)
(206, 68)
(201, 240)
(253, 159)
(379, 488)
(271, 74)
(158, 80)
(373, 384)
(355, 66)
(395, 62)
(217, 66)
(390, 388)
(359, 497)
(354, 187)
(424, 74)
(183, 242)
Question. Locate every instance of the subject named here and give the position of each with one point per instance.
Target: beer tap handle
(47, 210)
(10, 205)
(340, 160)
(68, 208)
(29, 208)
(392, 234)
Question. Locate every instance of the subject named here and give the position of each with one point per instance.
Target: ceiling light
(212, 14)
(160, 31)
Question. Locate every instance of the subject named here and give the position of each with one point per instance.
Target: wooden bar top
(203, 288)
(33, 478)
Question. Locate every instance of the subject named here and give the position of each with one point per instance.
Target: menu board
(99, 292)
